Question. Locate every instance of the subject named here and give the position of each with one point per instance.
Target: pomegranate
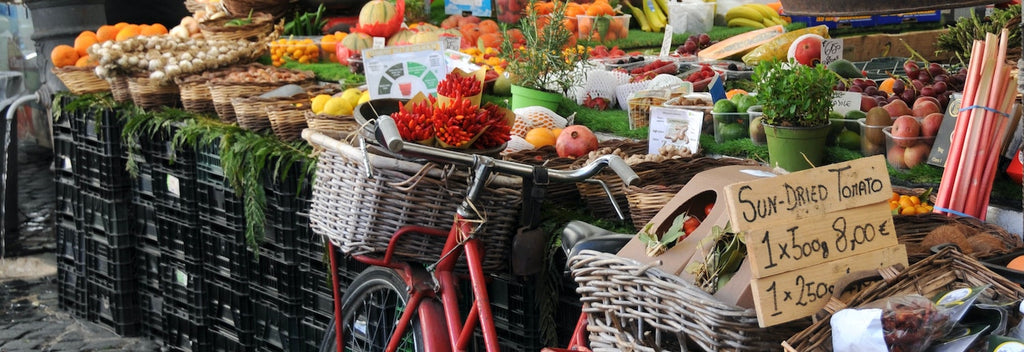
(575, 141)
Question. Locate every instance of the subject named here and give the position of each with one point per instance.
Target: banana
(765, 11)
(779, 21)
(653, 15)
(743, 22)
(767, 22)
(640, 17)
(745, 12)
(663, 5)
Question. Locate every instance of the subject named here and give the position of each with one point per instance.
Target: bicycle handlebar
(387, 133)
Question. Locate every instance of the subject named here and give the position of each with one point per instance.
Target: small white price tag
(844, 102)
(173, 186)
(378, 42)
(831, 50)
(181, 277)
(451, 43)
(666, 41)
(66, 163)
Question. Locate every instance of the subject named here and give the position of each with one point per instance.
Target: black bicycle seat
(579, 235)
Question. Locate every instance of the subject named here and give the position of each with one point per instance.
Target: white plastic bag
(691, 16)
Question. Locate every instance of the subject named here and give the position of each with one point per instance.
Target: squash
(351, 44)
(736, 46)
(379, 18)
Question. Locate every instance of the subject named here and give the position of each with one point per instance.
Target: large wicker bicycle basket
(359, 209)
(635, 307)
(946, 270)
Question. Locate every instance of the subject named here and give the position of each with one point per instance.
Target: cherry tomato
(690, 224)
(707, 208)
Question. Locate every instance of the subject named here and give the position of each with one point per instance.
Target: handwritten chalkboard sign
(805, 230)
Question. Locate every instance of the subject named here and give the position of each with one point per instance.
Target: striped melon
(402, 37)
(351, 44)
(379, 18)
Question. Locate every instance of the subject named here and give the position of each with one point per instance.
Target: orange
(121, 25)
(600, 8)
(83, 61)
(1016, 264)
(63, 55)
(895, 196)
(540, 137)
(886, 85)
(106, 32)
(84, 41)
(127, 32)
(153, 29)
(489, 40)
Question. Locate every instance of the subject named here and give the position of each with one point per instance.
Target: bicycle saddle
(579, 235)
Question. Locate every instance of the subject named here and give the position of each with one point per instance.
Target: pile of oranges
(902, 204)
(77, 55)
(480, 33)
(303, 51)
(572, 9)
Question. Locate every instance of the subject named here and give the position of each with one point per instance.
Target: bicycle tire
(379, 293)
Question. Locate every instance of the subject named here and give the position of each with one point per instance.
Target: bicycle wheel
(371, 310)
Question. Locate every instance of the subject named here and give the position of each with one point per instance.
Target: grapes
(704, 40)
(693, 44)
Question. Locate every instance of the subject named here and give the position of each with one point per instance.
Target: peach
(931, 123)
(867, 102)
(895, 156)
(916, 154)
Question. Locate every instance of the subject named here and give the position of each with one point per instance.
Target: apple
(897, 108)
(930, 124)
(924, 106)
(806, 49)
(916, 154)
(896, 156)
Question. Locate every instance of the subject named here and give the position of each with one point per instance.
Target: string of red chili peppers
(458, 121)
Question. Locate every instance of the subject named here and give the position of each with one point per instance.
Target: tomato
(707, 208)
(690, 224)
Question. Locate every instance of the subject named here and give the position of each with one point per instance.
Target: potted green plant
(796, 100)
(542, 65)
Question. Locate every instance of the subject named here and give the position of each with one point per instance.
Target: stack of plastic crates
(516, 311)
(71, 274)
(105, 219)
(181, 276)
(147, 247)
(276, 287)
(318, 300)
(227, 262)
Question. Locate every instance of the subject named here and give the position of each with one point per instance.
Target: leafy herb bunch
(794, 95)
(548, 60)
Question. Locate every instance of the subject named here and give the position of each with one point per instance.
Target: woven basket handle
(846, 282)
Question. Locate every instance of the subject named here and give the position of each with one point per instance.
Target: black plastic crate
(218, 203)
(182, 285)
(224, 339)
(312, 333)
(72, 291)
(98, 168)
(277, 325)
(151, 306)
(70, 241)
(229, 308)
(145, 219)
(224, 252)
(318, 306)
(147, 267)
(160, 151)
(567, 314)
(181, 333)
(178, 239)
(142, 186)
(175, 193)
(276, 279)
(113, 217)
(515, 311)
(64, 153)
(68, 199)
(208, 162)
(117, 263)
(113, 308)
(97, 126)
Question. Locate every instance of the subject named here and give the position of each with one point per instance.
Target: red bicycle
(395, 305)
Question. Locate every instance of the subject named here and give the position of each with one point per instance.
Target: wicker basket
(635, 307)
(81, 80)
(195, 93)
(277, 8)
(558, 192)
(331, 123)
(119, 89)
(360, 213)
(287, 122)
(251, 112)
(947, 270)
(595, 196)
(655, 189)
(911, 230)
(150, 93)
(221, 91)
(262, 24)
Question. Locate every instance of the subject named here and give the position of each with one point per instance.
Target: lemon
(365, 97)
(338, 106)
(318, 103)
(352, 95)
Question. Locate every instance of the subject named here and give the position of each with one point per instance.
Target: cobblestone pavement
(30, 319)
